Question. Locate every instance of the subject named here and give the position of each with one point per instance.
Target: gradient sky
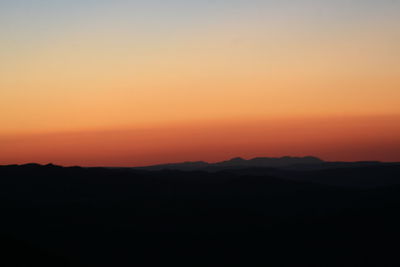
(123, 83)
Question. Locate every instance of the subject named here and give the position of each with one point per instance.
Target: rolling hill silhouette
(267, 212)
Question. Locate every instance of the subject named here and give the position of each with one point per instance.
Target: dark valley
(262, 212)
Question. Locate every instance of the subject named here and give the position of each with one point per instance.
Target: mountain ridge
(238, 162)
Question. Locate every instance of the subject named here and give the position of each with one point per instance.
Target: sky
(127, 83)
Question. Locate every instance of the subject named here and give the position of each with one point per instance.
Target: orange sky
(122, 84)
(333, 138)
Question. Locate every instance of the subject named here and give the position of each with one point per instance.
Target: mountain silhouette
(239, 163)
(282, 212)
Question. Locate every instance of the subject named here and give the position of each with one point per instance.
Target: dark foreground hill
(55, 216)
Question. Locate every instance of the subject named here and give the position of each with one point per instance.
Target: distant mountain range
(287, 162)
(238, 163)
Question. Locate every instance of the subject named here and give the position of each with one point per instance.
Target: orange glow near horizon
(334, 139)
(124, 83)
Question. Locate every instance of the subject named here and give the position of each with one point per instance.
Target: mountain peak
(237, 159)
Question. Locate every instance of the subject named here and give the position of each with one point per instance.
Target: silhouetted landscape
(259, 212)
(143, 133)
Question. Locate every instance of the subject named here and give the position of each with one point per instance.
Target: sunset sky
(127, 83)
